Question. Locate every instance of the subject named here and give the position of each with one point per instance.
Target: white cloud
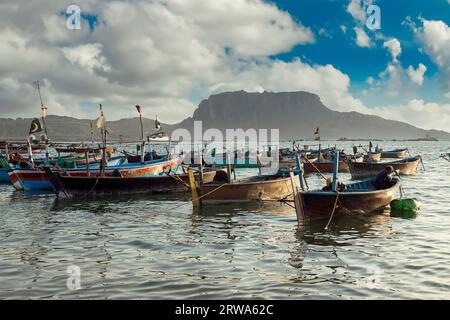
(394, 48)
(157, 54)
(343, 28)
(164, 55)
(324, 33)
(362, 39)
(416, 75)
(357, 9)
(427, 115)
(87, 56)
(435, 38)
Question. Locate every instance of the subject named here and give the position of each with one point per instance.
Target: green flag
(35, 126)
(213, 152)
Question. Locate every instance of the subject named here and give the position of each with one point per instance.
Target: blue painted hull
(4, 177)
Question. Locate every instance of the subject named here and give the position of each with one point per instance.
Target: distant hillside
(296, 114)
(72, 129)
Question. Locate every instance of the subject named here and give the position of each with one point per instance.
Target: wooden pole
(86, 157)
(30, 153)
(335, 171)
(297, 200)
(193, 186)
(300, 172)
(142, 139)
(228, 167)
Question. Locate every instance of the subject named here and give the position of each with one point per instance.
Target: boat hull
(33, 179)
(396, 154)
(4, 177)
(374, 156)
(325, 167)
(364, 170)
(267, 188)
(75, 186)
(319, 204)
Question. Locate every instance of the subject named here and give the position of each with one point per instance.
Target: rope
(314, 167)
(334, 209)
(183, 204)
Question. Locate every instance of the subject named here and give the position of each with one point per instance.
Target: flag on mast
(317, 134)
(35, 126)
(138, 108)
(157, 123)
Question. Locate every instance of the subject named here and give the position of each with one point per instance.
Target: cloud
(324, 33)
(435, 39)
(87, 56)
(427, 115)
(164, 55)
(357, 9)
(416, 75)
(160, 54)
(362, 39)
(394, 48)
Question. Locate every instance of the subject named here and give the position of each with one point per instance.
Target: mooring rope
(334, 209)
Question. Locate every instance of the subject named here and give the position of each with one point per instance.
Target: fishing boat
(240, 161)
(36, 179)
(256, 188)
(396, 153)
(326, 165)
(163, 181)
(82, 150)
(356, 198)
(363, 170)
(339, 199)
(372, 156)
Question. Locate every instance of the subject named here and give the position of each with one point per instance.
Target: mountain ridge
(296, 114)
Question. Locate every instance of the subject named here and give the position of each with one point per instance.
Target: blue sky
(340, 50)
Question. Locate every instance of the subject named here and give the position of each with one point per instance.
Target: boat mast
(138, 108)
(43, 115)
(102, 124)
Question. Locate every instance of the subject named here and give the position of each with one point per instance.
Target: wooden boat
(83, 150)
(362, 170)
(83, 185)
(257, 188)
(240, 161)
(356, 198)
(372, 156)
(36, 179)
(397, 153)
(324, 166)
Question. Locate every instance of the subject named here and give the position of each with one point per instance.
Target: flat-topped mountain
(297, 115)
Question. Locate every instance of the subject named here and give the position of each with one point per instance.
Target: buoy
(406, 208)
